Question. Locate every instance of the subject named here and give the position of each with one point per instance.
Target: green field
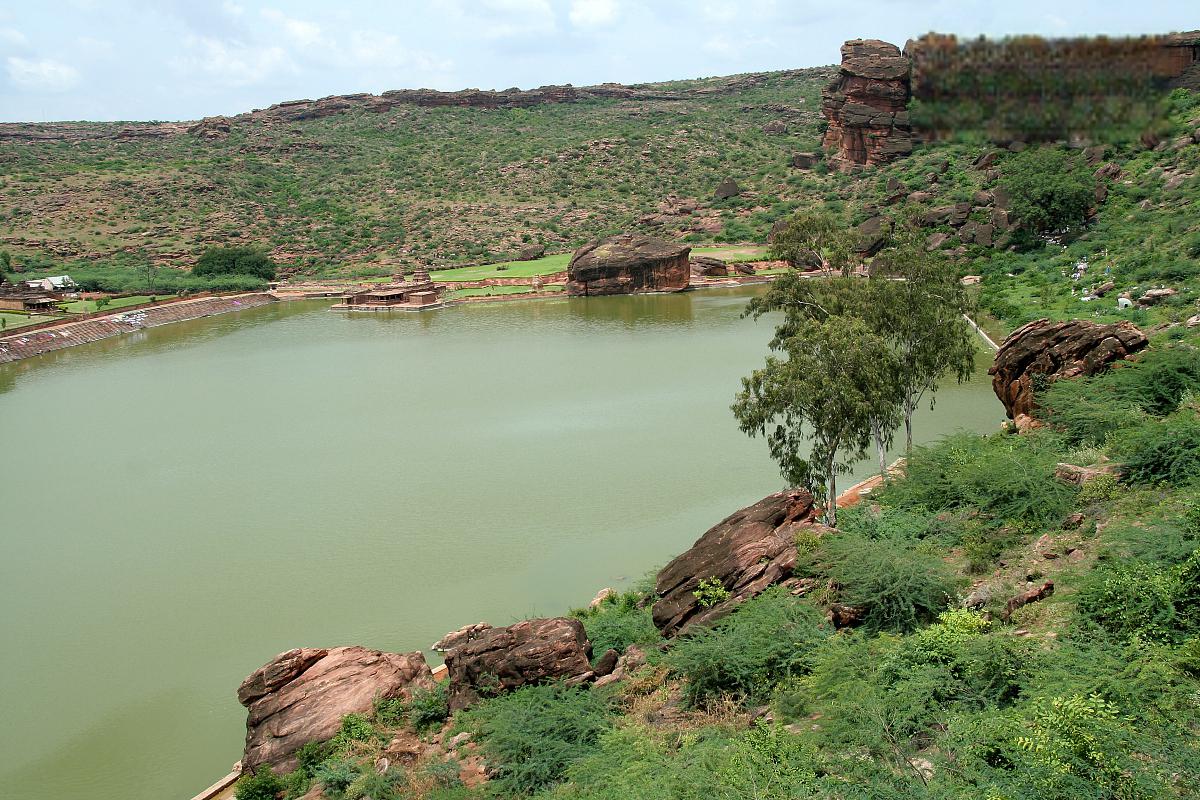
(506, 269)
(493, 291)
(89, 306)
(558, 262)
(21, 320)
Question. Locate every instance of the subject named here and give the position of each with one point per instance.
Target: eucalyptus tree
(816, 398)
(814, 239)
(806, 299)
(918, 303)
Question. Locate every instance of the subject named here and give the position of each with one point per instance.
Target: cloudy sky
(184, 59)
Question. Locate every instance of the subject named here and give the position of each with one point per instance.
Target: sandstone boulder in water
(502, 659)
(627, 264)
(746, 552)
(301, 696)
(1057, 350)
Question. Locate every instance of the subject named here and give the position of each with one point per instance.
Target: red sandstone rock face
(1057, 350)
(867, 106)
(301, 696)
(627, 264)
(502, 659)
(747, 552)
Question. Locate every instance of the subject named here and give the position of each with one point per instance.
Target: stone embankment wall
(23, 344)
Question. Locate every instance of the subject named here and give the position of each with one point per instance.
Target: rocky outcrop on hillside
(1044, 351)
(498, 660)
(84, 131)
(301, 696)
(746, 552)
(628, 264)
(867, 106)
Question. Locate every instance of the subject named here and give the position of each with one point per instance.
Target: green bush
(1088, 410)
(1057, 748)
(1161, 451)
(618, 622)
(1009, 479)
(764, 641)
(710, 592)
(534, 734)
(336, 774)
(897, 585)
(263, 784)
(427, 708)
(638, 763)
(235, 261)
(1152, 602)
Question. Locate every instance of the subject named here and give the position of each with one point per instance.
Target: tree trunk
(908, 412)
(877, 432)
(831, 482)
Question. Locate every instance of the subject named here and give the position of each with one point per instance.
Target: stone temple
(417, 294)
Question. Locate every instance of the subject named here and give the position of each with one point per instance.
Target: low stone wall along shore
(23, 345)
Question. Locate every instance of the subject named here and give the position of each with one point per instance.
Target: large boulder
(746, 552)
(531, 252)
(301, 696)
(1056, 350)
(709, 267)
(873, 234)
(627, 264)
(502, 659)
(726, 189)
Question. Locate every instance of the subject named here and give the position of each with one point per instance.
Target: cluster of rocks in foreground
(301, 695)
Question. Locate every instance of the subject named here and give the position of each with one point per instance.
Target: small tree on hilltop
(822, 398)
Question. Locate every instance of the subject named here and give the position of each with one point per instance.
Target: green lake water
(181, 504)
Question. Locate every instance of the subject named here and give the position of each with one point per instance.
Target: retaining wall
(24, 344)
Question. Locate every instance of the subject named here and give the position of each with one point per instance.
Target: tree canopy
(1049, 191)
(235, 261)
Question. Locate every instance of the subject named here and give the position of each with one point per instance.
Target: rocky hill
(335, 185)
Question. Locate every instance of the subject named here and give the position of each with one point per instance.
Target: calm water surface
(182, 504)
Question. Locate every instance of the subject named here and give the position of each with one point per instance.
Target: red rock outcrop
(1031, 595)
(502, 659)
(1057, 350)
(627, 264)
(301, 696)
(867, 106)
(709, 267)
(746, 552)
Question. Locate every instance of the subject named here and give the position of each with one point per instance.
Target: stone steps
(17, 346)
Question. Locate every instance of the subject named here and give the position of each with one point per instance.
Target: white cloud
(302, 32)
(500, 19)
(44, 75)
(378, 49)
(11, 36)
(232, 63)
(593, 13)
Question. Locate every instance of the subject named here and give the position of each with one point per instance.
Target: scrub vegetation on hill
(356, 193)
